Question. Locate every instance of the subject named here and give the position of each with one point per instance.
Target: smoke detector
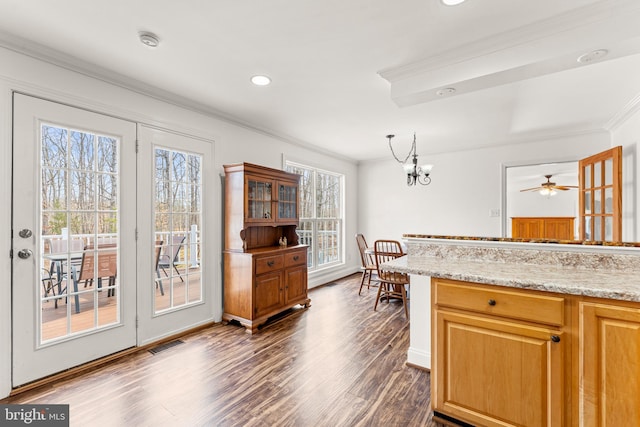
(149, 39)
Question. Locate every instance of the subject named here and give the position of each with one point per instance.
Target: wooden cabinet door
(295, 284)
(609, 365)
(269, 293)
(494, 372)
(287, 202)
(559, 228)
(527, 228)
(259, 200)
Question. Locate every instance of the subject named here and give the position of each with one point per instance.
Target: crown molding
(76, 65)
(625, 113)
(524, 138)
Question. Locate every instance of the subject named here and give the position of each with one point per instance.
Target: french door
(600, 200)
(173, 235)
(73, 246)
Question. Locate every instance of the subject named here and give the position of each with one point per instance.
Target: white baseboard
(321, 277)
(419, 358)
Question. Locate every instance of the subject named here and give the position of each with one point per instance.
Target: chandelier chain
(412, 150)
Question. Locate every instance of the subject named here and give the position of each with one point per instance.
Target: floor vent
(165, 346)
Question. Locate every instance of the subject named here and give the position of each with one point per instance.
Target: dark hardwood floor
(338, 363)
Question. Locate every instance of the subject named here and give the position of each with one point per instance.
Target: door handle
(24, 253)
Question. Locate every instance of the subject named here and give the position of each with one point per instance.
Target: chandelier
(414, 172)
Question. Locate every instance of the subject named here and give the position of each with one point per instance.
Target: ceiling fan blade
(533, 189)
(564, 187)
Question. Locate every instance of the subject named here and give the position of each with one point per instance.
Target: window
(321, 224)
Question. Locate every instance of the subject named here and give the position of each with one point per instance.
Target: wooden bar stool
(392, 284)
(368, 267)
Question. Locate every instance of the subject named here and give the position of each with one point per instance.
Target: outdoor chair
(170, 257)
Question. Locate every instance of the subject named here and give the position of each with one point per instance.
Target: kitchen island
(526, 333)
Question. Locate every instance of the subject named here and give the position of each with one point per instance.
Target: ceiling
(347, 73)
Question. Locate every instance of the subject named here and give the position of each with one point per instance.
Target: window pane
(328, 239)
(54, 147)
(107, 155)
(82, 150)
(587, 177)
(608, 172)
(328, 196)
(305, 189)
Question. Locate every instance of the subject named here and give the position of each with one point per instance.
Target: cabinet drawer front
(269, 263)
(499, 302)
(295, 258)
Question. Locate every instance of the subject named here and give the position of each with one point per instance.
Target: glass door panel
(287, 201)
(80, 207)
(259, 198)
(177, 233)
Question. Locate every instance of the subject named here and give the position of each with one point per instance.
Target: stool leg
(380, 286)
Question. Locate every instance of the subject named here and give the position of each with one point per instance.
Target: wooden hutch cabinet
(261, 277)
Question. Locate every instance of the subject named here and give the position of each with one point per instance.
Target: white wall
(233, 144)
(627, 134)
(465, 187)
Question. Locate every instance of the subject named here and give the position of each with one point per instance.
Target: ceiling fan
(548, 188)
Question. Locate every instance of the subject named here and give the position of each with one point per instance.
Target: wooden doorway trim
(600, 198)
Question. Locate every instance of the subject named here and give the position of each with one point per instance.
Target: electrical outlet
(494, 213)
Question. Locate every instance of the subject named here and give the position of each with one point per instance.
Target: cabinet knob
(295, 258)
(555, 338)
(270, 263)
(492, 302)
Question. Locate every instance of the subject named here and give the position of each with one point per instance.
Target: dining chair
(106, 266)
(158, 251)
(368, 261)
(392, 284)
(168, 260)
(48, 282)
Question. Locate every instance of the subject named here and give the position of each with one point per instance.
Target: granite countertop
(524, 240)
(602, 283)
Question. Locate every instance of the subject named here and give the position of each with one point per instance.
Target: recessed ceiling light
(446, 91)
(149, 39)
(452, 2)
(260, 80)
(592, 56)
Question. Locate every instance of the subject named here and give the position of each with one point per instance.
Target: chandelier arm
(424, 179)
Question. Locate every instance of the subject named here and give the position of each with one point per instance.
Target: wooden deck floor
(338, 363)
(54, 320)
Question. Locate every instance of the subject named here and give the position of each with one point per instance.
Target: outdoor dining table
(57, 263)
